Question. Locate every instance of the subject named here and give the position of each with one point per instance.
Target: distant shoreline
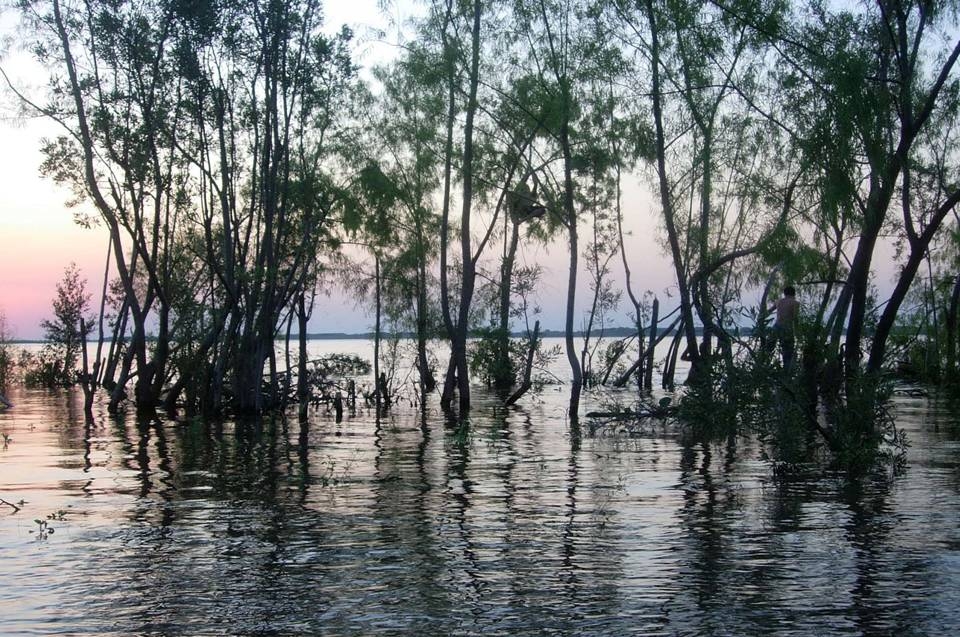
(616, 332)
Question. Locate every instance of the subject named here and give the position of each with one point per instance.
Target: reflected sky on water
(404, 527)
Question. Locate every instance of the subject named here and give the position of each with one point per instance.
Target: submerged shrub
(495, 357)
(863, 426)
(750, 394)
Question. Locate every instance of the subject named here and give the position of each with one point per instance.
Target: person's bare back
(787, 310)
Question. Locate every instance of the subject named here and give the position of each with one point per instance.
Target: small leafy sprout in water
(43, 530)
(330, 475)
(6, 439)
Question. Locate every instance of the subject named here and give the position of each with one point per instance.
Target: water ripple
(165, 528)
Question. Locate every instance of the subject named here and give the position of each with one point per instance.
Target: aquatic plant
(44, 530)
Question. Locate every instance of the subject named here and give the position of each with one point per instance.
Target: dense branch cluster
(239, 162)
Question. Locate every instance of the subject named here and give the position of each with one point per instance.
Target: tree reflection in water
(403, 525)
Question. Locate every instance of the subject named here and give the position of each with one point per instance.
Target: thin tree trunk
(427, 382)
(670, 364)
(303, 384)
(98, 362)
(576, 372)
(288, 374)
(115, 353)
(648, 371)
(88, 380)
(446, 397)
(666, 202)
(527, 383)
(505, 377)
(376, 338)
(119, 393)
(951, 327)
(469, 266)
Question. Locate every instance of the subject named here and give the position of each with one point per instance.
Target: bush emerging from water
(750, 394)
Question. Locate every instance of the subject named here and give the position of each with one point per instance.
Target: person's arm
(774, 309)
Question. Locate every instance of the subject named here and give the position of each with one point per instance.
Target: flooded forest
(766, 444)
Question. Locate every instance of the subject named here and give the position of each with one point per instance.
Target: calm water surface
(402, 527)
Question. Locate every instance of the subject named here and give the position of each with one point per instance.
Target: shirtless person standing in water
(787, 309)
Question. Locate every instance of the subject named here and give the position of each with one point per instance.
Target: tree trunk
(654, 319)
(459, 344)
(288, 368)
(119, 391)
(303, 379)
(951, 327)
(576, 372)
(859, 283)
(666, 202)
(115, 353)
(527, 383)
(446, 397)
(427, 382)
(919, 245)
(88, 383)
(376, 338)
(504, 374)
(98, 361)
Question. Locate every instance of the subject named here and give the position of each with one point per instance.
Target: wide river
(407, 527)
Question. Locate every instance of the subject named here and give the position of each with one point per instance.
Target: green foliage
(232, 150)
(751, 395)
(64, 337)
(724, 399)
(863, 426)
(495, 358)
(7, 362)
(341, 366)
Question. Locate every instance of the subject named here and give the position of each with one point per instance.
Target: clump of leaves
(495, 357)
(341, 366)
(864, 428)
(43, 530)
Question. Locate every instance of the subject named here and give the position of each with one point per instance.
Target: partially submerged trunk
(570, 214)
(527, 382)
(303, 374)
(504, 374)
(446, 397)
(951, 328)
(88, 382)
(458, 345)
(688, 332)
(654, 339)
(427, 382)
